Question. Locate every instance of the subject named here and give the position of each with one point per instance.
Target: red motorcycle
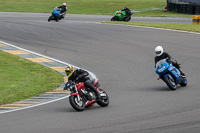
(82, 97)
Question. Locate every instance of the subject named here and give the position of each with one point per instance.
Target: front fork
(75, 92)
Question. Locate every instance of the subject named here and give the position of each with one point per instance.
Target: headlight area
(161, 69)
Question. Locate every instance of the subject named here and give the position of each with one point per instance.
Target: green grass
(21, 78)
(79, 6)
(184, 27)
(160, 13)
(105, 7)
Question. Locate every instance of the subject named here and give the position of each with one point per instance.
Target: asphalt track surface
(122, 57)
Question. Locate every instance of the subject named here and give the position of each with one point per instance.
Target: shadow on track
(164, 88)
(70, 109)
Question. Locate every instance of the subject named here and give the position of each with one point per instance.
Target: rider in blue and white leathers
(160, 54)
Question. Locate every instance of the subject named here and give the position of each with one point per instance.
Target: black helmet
(125, 8)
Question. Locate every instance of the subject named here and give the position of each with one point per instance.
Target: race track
(122, 57)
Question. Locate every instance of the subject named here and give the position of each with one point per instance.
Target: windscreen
(160, 63)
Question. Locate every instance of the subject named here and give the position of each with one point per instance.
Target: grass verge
(183, 27)
(21, 78)
(78, 6)
(104, 7)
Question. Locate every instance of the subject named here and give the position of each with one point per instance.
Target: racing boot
(178, 66)
(182, 74)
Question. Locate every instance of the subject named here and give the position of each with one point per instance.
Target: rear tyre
(104, 98)
(170, 82)
(57, 19)
(77, 105)
(183, 82)
(50, 18)
(128, 19)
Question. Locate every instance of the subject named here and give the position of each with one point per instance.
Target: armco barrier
(196, 19)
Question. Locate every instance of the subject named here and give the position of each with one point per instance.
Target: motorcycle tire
(103, 102)
(50, 18)
(57, 19)
(183, 82)
(128, 19)
(114, 18)
(170, 82)
(78, 106)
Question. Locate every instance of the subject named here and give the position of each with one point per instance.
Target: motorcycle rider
(160, 54)
(128, 13)
(81, 76)
(63, 10)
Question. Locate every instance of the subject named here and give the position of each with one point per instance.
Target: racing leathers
(80, 75)
(170, 60)
(63, 11)
(128, 13)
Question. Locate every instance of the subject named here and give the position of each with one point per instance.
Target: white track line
(150, 28)
(92, 74)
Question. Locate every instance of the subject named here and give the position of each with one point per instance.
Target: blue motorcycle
(170, 74)
(55, 15)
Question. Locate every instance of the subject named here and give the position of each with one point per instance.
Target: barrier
(196, 19)
(197, 9)
(177, 7)
(190, 9)
(184, 7)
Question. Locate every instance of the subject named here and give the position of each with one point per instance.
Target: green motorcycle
(119, 16)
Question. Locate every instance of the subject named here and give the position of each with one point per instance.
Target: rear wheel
(104, 98)
(170, 82)
(128, 19)
(78, 105)
(183, 82)
(57, 19)
(50, 18)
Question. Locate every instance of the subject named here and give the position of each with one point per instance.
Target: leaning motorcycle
(82, 97)
(170, 74)
(119, 16)
(55, 15)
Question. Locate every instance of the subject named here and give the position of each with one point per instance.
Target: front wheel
(104, 98)
(78, 105)
(170, 82)
(114, 18)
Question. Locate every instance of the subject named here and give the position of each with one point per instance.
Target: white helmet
(159, 50)
(64, 4)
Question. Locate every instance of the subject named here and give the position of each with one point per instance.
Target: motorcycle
(119, 16)
(170, 74)
(82, 97)
(55, 15)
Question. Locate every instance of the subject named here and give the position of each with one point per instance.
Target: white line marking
(92, 75)
(150, 28)
(31, 106)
